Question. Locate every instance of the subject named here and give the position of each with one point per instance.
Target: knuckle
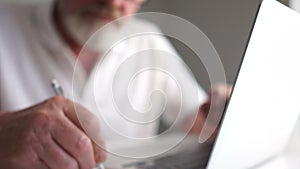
(51, 108)
(59, 103)
(41, 123)
(55, 102)
(57, 99)
(83, 144)
(41, 117)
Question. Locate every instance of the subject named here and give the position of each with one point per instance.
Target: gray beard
(89, 32)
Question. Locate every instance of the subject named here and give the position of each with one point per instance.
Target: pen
(57, 88)
(59, 92)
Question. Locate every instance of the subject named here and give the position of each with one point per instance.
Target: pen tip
(54, 83)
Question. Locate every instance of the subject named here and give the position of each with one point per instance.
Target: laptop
(261, 114)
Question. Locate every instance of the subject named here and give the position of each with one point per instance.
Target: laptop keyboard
(196, 159)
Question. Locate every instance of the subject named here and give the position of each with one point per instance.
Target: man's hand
(218, 94)
(50, 136)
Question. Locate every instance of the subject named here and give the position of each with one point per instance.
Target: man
(42, 42)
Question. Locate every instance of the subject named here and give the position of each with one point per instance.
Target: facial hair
(88, 31)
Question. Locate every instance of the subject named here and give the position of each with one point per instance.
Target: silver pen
(60, 92)
(57, 88)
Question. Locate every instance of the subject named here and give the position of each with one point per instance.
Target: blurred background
(226, 23)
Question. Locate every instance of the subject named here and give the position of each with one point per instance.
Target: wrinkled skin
(49, 135)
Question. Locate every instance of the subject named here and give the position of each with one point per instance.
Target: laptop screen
(264, 105)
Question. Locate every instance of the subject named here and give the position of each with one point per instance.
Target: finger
(75, 142)
(54, 156)
(229, 90)
(220, 90)
(60, 104)
(198, 124)
(204, 108)
(90, 124)
(100, 152)
(75, 112)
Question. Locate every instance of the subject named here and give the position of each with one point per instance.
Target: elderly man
(41, 42)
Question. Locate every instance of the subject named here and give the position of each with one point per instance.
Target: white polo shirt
(32, 53)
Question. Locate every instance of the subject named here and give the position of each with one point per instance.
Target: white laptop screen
(264, 105)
